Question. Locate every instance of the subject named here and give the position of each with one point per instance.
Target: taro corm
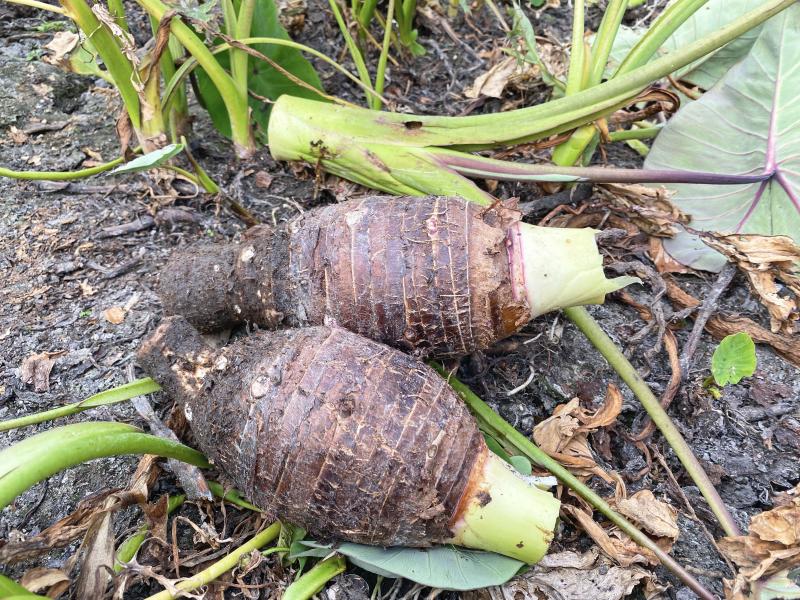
(349, 439)
(433, 276)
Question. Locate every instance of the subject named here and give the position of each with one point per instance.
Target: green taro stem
(312, 582)
(40, 456)
(628, 373)
(112, 396)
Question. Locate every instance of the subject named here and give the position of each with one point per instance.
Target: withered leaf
(572, 576)
(43, 578)
(35, 370)
(61, 46)
(114, 315)
(494, 81)
(615, 544)
(772, 545)
(655, 516)
(768, 262)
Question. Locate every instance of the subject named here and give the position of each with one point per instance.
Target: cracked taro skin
(341, 435)
(429, 276)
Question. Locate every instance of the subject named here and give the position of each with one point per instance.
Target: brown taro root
(349, 439)
(433, 276)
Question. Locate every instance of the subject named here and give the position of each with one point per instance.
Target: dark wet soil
(64, 265)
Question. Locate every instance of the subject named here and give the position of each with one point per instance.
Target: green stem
(644, 133)
(39, 5)
(191, 63)
(664, 26)
(116, 8)
(313, 581)
(577, 56)
(112, 396)
(40, 456)
(61, 175)
(239, 59)
(380, 75)
(224, 565)
(526, 124)
(235, 101)
(604, 40)
(116, 62)
(232, 496)
(627, 372)
(355, 53)
(501, 429)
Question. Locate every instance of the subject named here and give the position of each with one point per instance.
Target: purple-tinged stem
(473, 165)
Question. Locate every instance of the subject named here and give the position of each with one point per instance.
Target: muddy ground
(65, 262)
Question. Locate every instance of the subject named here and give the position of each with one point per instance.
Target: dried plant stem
(627, 372)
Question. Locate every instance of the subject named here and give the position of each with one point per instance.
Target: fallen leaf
(663, 261)
(58, 535)
(494, 81)
(648, 208)
(654, 516)
(96, 554)
(86, 289)
(17, 135)
(772, 545)
(263, 180)
(61, 46)
(565, 434)
(114, 315)
(42, 578)
(770, 262)
(614, 543)
(573, 576)
(35, 370)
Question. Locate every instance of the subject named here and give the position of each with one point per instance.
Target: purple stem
(473, 165)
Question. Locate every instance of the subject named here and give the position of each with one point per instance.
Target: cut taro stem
(502, 512)
(558, 268)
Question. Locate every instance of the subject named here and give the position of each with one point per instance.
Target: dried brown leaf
(772, 545)
(35, 370)
(97, 554)
(41, 578)
(663, 261)
(565, 434)
(648, 208)
(770, 262)
(654, 516)
(616, 544)
(57, 535)
(572, 576)
(61, 46)
(493, 82)
(114, 315)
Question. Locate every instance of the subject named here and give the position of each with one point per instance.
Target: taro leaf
(734, 359)
(706, 71)
(263, 79)
(443, 567)
(150, 160)
(749, 123)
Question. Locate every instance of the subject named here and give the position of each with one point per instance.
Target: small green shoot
(734, 359)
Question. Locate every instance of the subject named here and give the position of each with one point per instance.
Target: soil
(65, 265)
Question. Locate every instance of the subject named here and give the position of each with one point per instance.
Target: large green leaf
(708, 19)
(748, 123)
(444, 567)
(263, 79)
